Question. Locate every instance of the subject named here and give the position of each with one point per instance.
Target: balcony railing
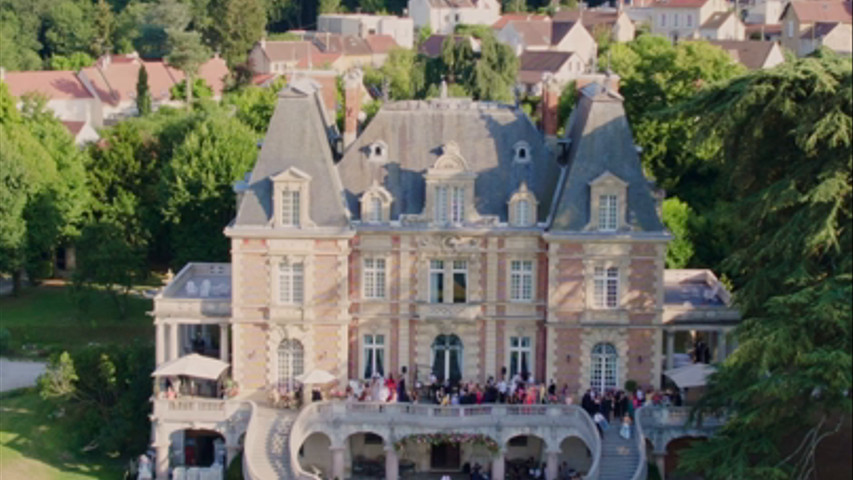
(194, 409)
(466, 311)
(663, 417)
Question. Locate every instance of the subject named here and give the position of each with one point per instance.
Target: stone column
(553, 465)
(173, 341)
(224, 345)
(670, 348)
(338, 463)
(161, 463)
(498, 466)
(721, 345)
(660, 461)
(160, 337)
(392, 464)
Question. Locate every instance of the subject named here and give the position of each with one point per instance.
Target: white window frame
(441, 204)
(375, 343)
(689, 20)
(373, 278)
(375, 210)
(606, 287)
(604, 360)
(437, 292)
(608, 212)
(790, 29)
(521, 349)
(675, 20)
(662, 20)
(291, 283)
(522, 280)
(291, 204)
(522, 211)
(458, 267)
(457, 205)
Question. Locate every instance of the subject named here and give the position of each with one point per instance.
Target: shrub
(5, 340)
(631, 386)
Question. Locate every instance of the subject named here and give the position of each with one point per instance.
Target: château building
(450, 237)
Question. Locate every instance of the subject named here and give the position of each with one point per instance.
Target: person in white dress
(625, 431)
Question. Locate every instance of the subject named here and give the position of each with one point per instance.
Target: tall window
(521, 280)
(291, 278)
(675, 20)
(606, 294)
(689, 19)
(374, 278)
(522, 212)
(441, 204)
(375, 210)
(460, 281)
(436, 281)
(604, 370)
(374, 355)
(447, 358)
(607, 212)
(662, 19)
(449, 204)
(290, 208)
(291, 362)
(520, 355)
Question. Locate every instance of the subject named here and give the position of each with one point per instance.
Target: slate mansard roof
(415, 132)
(601, 141)
(298, 136)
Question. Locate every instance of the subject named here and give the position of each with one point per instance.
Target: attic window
(377, 152)
(522, 152)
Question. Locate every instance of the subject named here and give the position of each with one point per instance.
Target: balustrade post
(498, 465)
(224, 343)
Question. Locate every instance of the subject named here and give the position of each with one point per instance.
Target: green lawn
(32, 445)
(48, 318)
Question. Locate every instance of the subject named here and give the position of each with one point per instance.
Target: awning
(693, 375)
(192, 365)
(316, 377)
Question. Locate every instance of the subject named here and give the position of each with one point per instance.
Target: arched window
(375, 210)
(604, 374)
(291, 362)
(447, 358)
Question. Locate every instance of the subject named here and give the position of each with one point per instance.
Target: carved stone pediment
(449, 244)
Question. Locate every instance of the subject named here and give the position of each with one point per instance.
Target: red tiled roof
(822, 11)
(214, 72)
(509, 17)
(679, 3)
(381, 43)
(534, 63)
(819, 30)
(263, 78)
(303, 52)
(55, 85)
(328, 84)
(750, 53)
(770, 28)
(74, 127)
(432, 45)
(533, 32)
(589, 19)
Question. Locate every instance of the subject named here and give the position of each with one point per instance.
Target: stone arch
(315, 453)
(534, 445)
(201, 446)
(293, 332)
(618, 337)
(575, 453)
(361, 451)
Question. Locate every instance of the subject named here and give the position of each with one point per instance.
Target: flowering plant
(476, 439)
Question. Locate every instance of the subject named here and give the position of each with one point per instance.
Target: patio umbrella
(316, 377)
(192, 365)
(688, 376)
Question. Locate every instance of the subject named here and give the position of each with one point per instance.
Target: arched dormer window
(608, 203)
(522, 207)
(377, 152)
(376, 204)
(450, 188)
(522, 152)
(290, 198)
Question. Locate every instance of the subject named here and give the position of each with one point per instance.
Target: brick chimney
(550, 105)
(352, 104)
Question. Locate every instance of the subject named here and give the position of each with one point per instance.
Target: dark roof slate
(601, 141)
(414, 132)
(297, 136)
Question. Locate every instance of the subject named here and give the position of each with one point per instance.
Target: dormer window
(450, 188)
(376, 204)
(377, 152)
(608, 198)
(522, 207)
(522, 152)
(290, 198)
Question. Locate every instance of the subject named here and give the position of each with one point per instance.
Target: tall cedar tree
(240, 23)
(143, 95)
(786, 137)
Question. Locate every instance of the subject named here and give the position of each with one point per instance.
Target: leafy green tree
(240, 23)
(404, 71)
(565, 105)
(254, 105)
(104, 25)
(676, 216)
(187, 53)
(197, 186)
(200, 91)
(75, 61)
(155, 20)
(786, 136)
(510, 6)
(329, 6)
(143, 93)
(19, 45)
(69, 28)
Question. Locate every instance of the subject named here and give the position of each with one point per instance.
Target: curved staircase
(267, 447)
(619, 457)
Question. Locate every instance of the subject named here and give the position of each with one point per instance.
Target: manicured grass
(48, 318)
(33, 446)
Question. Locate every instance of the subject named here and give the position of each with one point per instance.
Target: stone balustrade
(466, 311)
(194, 409)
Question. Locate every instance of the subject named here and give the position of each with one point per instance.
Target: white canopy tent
(315, 377)
(192, 365)
(689, 376)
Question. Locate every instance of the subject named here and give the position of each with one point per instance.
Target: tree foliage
(786, 135)
(143, 94)
(676, 217)
(240, 24)
(187, 53)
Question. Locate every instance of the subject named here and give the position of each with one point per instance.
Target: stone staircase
(271, 460)
(619, 457)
